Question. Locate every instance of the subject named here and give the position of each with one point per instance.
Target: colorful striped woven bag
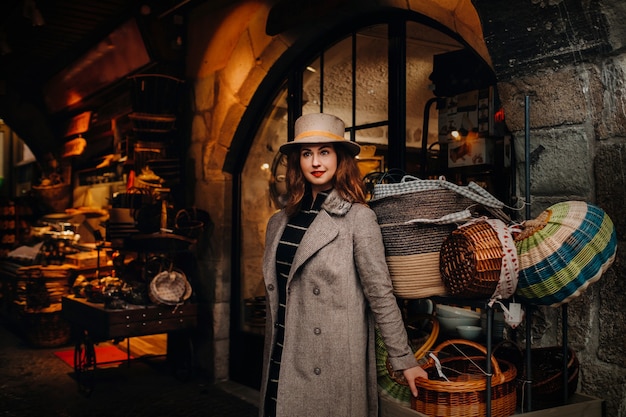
(566, 248)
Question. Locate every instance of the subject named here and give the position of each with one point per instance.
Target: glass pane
(337, 90)
(422, 43)
(262, 181)
(372, 77)
(311, 99)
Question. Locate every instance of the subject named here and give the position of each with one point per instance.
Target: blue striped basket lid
(566, 248)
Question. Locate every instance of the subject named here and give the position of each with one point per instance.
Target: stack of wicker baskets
(38, 294)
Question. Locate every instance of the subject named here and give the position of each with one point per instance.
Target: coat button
(316, 291)
(270, 287)
(317, 331)
(317, 371)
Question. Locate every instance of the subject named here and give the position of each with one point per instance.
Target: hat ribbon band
(319, 133)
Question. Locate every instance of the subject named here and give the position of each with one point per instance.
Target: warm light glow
(455, 135)
(311, 69)
(265, 167)
(499, 116)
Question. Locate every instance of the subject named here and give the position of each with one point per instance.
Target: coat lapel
(269, 266)
(321, 232)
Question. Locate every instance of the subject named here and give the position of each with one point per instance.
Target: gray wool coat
(338, 289)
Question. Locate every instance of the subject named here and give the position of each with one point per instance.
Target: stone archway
(238, 53)
(231, 53)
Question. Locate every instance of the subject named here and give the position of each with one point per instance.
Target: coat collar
(335, 204)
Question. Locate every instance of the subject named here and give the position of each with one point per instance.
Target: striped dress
(287, 247)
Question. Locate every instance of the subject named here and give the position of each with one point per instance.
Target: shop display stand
(92, 322)
(527, 387)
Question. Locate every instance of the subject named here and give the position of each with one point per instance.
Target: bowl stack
(451, 317)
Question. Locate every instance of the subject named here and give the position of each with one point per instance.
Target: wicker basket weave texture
(568, 247)
(464, 395)
(55, 198)
(471, 261)
(412, 250)
(170, 288)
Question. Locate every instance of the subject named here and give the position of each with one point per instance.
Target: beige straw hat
(317, 128)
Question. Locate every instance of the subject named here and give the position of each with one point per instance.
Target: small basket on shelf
(547, 376)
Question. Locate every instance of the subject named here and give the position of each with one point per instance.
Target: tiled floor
(35, 383)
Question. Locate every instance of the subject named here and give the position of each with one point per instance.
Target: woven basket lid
(170, 287)
(566, 248)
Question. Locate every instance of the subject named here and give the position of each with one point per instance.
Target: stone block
(610, 160)
(221, 321)
(612, 331)
(555, 99)
(560, 163)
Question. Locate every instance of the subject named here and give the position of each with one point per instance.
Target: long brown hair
(347, 181)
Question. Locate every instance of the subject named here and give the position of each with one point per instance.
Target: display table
(92, 323)
(103, 324)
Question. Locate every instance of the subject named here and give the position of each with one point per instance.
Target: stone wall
(574, 78)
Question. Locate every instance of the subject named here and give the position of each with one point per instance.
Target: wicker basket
(55, 198)
(45, 328)
(547, 376)
(547, 373)
(412, 250)
(169, 287)
(464, 394)
(392, 384)
(415, 218)
(471, 260)
(38, 287)
(561, 252)
(479, 259)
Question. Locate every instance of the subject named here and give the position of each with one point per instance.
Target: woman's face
(319, 165)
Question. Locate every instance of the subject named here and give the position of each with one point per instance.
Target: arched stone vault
(238, 52)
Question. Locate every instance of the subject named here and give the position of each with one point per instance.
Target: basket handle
(472, 191)
(497, 377)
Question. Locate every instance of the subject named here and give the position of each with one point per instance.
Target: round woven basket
(169, 287)
(471, 261)
(55, 198)
(412, 249)
(464, 392)
(566, 248)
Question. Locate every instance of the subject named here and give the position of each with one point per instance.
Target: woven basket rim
(498, 377)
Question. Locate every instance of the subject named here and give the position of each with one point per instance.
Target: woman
(327, 285)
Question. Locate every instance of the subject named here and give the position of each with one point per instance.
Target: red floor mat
(105, 355)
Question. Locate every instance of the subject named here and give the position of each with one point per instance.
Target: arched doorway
(380, 78)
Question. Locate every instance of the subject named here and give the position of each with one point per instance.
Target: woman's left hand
(410, 374)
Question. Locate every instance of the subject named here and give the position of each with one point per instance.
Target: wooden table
(93, 323)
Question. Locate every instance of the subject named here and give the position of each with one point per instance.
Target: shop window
(350, 79)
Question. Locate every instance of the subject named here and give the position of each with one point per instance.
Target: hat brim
(353, 148)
